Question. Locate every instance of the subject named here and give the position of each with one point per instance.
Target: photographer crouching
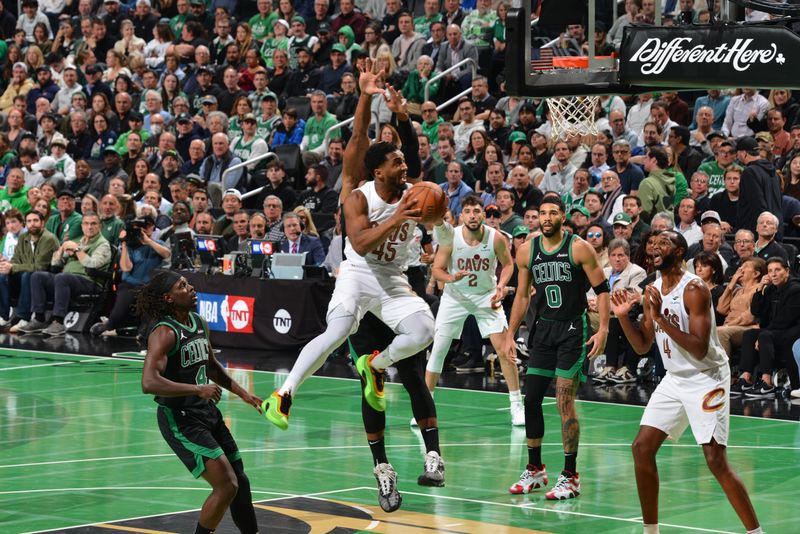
(140, 254)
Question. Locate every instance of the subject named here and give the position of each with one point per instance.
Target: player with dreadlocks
(177, 369)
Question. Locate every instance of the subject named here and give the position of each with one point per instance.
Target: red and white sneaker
(567, 487)
(529, 480)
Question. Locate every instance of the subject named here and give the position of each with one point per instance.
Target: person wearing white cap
(47, 171)
(64, 163)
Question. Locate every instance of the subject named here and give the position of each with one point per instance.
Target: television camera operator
(140, 254)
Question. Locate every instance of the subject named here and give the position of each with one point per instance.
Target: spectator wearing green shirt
(724, 159)
(279, 41)
(478, 26)
(110, 224)
(261, 23)
(313, 144)
(430, 122)
(423, 24)
(14, 194)
(66, 223)
(177, 22)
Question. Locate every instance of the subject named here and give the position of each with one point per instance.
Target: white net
(571, 116)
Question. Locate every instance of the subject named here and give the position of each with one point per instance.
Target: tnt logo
(282, 322)
(229, 313)
(240, 314)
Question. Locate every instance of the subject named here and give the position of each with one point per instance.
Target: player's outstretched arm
(354, 170)
(697, 301)
(218, 374)
(160, 342)
(586, 257)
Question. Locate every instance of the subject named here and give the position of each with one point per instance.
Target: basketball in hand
(431, 200)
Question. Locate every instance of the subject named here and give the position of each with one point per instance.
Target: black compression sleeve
(408, 136)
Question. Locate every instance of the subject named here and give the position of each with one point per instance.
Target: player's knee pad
(420, 325)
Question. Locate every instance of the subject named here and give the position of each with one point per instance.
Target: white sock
(515, 396)
(756, 530)
(650, 529)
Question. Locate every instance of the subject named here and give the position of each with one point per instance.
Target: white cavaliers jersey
(391, 257)
(479, 260)
(676, 359)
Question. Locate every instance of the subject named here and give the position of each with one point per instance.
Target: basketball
(430, 199)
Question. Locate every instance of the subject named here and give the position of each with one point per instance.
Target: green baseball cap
(517, 136)
(622, 218)
(300, 19)
(339, 47)
(520, 231)
(580, 209)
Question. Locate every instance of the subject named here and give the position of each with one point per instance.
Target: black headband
(167, 281)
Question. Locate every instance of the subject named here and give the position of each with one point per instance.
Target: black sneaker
(460, 359)
(473, 365)
(98, 328)
(761, 391)
(741, 387)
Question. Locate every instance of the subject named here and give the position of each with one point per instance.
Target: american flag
(542, 59)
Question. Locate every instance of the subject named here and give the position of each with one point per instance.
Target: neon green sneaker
(372, 381)
(276, 409)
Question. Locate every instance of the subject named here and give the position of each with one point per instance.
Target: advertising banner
(763, 56)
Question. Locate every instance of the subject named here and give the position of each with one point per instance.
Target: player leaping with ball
(695, 392)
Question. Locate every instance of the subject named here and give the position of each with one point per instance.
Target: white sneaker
(795, 393)
(15, 329)
(603, 375)
(434, 471)
(413, 422)
(565, 488)
(388, 496)
(529, 480)
(517, 414)
(3, 322)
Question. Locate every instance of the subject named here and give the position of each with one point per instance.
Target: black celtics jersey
(186, 362)
(560, 284)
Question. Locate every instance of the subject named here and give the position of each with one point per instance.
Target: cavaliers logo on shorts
(714, 400)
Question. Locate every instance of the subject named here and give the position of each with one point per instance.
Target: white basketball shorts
(701, 400)
(390, 297)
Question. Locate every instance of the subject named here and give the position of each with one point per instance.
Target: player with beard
(679, 317)
(560, 266)
(466, 263)
(380, 231)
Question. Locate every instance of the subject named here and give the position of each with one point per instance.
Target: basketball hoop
(573, 116)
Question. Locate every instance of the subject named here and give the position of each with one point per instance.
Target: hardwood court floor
(80, 452)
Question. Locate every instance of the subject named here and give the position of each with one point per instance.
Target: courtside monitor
(260, 250)
(209, 248)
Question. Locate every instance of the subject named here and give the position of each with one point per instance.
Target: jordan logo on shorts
(571, 327)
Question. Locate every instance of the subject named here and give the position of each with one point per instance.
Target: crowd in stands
(123, 124)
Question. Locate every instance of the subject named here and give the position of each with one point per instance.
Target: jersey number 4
(667, 350)
(200, 378)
